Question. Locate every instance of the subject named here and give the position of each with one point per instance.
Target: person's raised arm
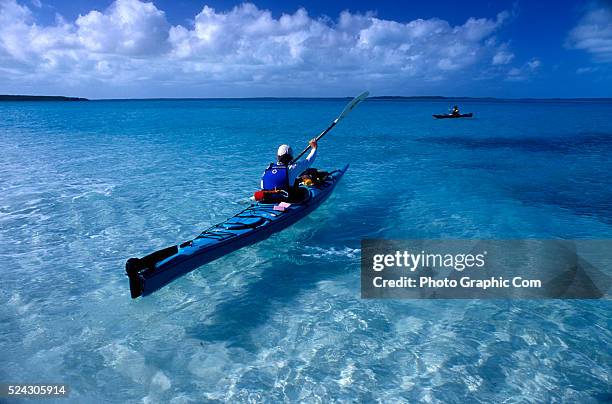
(313, 151)
(301, 165)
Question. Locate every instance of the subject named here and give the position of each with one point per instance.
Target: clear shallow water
(87, 185)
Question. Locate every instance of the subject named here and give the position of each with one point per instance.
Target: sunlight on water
(87, 185)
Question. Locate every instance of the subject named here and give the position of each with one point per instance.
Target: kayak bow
(256, 223)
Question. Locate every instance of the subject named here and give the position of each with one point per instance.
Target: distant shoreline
(4, 97)
(374, 98)
(438, 97)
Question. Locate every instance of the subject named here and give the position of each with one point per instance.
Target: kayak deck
(255, 223)
(443, 116)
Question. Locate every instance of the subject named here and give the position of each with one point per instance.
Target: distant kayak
(443, 116)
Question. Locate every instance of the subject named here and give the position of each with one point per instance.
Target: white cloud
(243, 49)
(15, 23)
(524, 72)
(533, 64)
(502, 57)
(594, 34)
(128, 27)
(586, 70)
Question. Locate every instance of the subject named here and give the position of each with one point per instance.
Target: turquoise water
(87, 185)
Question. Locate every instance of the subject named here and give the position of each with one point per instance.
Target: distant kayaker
(279, 178)
(455, 110)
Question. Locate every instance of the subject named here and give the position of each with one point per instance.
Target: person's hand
(313, 143)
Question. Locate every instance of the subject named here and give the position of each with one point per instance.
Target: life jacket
(276, 177)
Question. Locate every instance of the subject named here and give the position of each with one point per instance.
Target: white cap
(284, 149)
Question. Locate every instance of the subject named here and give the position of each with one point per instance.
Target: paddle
(349, 107)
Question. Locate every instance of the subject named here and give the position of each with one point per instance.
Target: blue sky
(132, 48)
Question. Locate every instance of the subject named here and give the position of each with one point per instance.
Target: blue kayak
(256, 223)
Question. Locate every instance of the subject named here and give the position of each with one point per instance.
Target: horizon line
(29, 97)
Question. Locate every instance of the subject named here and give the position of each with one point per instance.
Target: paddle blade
(353, 104)
(349, 107)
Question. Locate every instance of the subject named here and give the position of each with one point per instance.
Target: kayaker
(278, 180)
(455, 110)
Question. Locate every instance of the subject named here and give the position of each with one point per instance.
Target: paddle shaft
(349, 107)
(316, 140)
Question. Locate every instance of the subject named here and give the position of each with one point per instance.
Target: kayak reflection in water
(278, 181)
(455, 111)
